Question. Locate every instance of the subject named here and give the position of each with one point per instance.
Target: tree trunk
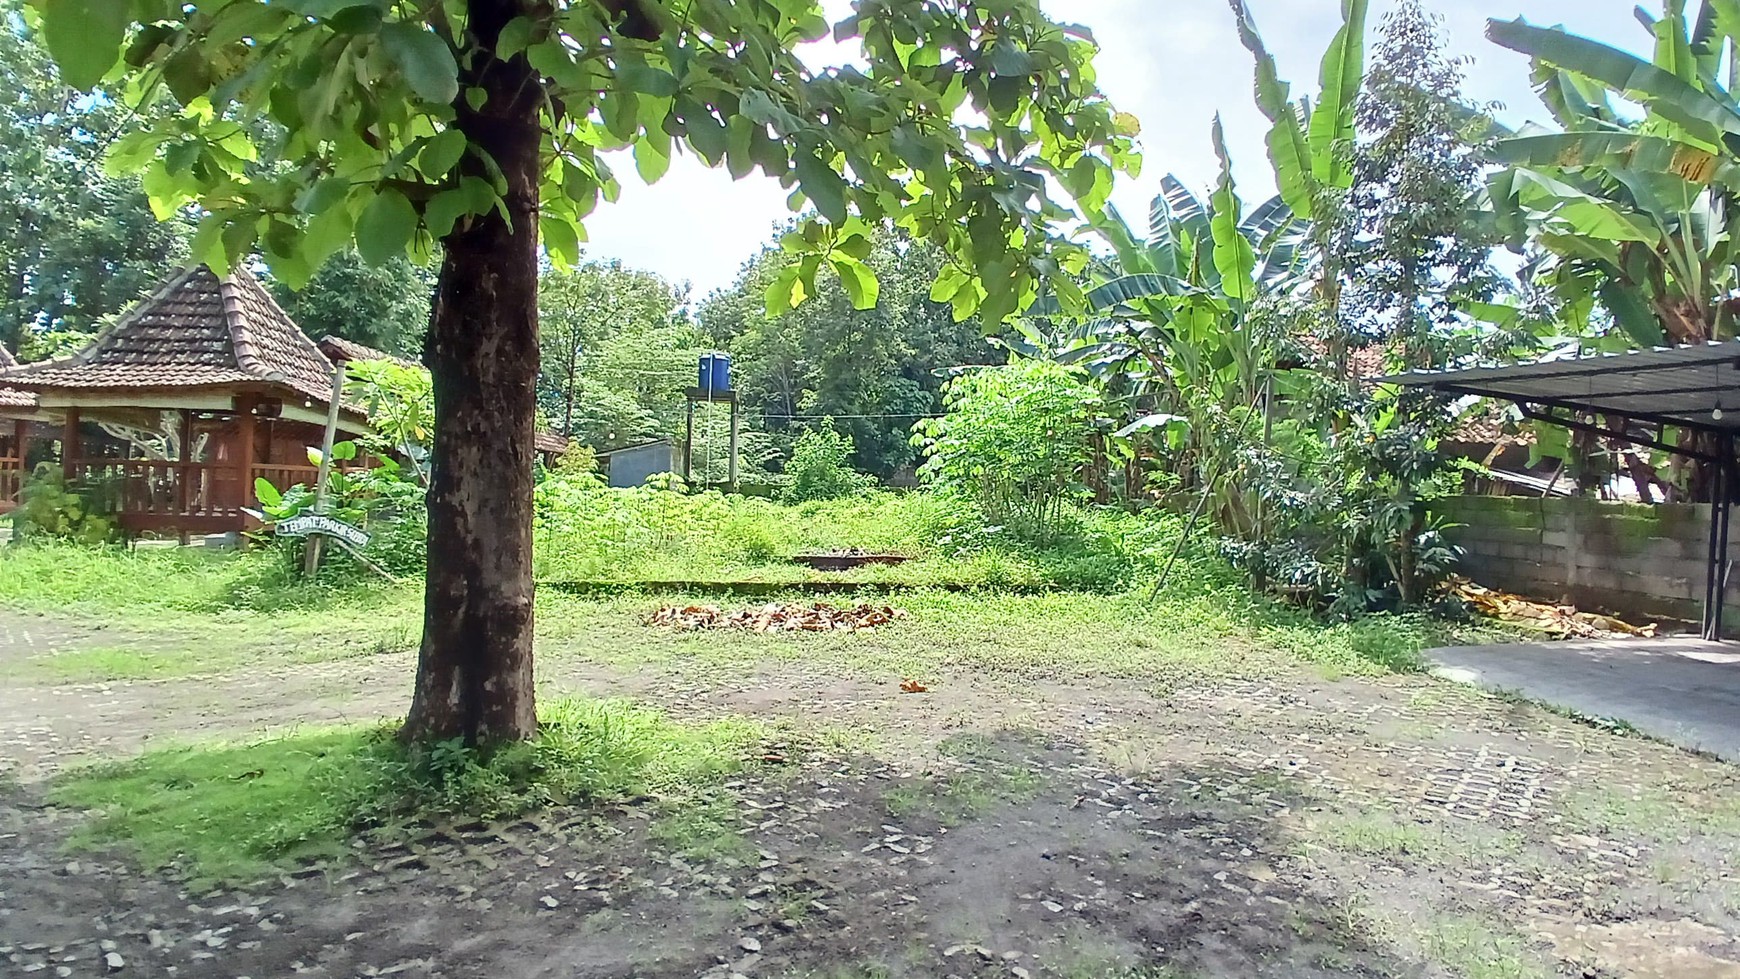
(474, 671)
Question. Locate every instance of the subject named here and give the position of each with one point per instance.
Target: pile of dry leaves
(1561, 621)
(778, 617)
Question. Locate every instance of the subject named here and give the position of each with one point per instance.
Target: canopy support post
(1716, 572)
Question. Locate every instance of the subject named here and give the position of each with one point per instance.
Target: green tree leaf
(825, 188)
(84, 37)
(441, 153)
(385, 227)
(424, 59)
(859, 282)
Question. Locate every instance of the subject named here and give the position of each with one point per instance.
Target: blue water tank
(714, 373)
(721, 373)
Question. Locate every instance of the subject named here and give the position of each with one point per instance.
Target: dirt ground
(992, 826)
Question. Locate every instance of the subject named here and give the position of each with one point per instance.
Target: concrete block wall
(1625, 558)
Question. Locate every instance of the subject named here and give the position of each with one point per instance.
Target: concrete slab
(1680, 689)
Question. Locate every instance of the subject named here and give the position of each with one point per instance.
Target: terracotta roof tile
(193, 331)
(337, 348)
(1486, 424)
(14, 398)
(548, 441)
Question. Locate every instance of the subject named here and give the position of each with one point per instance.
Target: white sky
(1173, 63)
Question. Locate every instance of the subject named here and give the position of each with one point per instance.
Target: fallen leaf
(910, 685)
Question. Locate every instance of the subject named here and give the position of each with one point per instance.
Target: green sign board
(319, 523)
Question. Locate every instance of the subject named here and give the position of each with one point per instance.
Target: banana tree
(1177, 330)
(1635, 209)
(1310, 145)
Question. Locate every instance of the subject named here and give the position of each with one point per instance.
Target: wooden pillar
(70, 450)
(19, 428)
(184, 471)
(731, 462)
(245, 451)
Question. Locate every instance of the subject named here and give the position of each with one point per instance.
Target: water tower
(713, 386)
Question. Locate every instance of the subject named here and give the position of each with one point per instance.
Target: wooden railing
(283, 477)
(161, 487)
(149, 490)
(11, 482)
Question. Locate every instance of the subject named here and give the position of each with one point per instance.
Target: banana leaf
(1180, 206)
(1704, 116)
(1130, 288)
(1632, 314)
(1341, 76)
(1613, 149)
(1234, 258)
(1289, 152)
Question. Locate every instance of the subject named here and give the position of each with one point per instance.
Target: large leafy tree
(1421, 251)
(75, 244)
(385, 306)
(483, 126)
(1417, 257)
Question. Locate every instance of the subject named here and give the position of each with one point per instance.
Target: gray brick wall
(1626, 558)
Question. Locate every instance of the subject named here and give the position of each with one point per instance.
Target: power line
(817, 418)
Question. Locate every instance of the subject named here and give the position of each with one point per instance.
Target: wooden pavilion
(18, 422)
(178, 406)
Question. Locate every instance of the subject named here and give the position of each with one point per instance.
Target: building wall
(631, 467)
(1626, 558)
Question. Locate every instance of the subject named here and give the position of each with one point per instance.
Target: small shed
(1693, 389)
(632, 465)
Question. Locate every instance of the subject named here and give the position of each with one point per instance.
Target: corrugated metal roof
(1685, 386)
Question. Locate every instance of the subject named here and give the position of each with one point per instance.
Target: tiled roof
(1486, 424)
(194, 331)
(12, 397)
(548, 441)
(337, 348)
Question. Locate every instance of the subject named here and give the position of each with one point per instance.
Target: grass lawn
(1093, 784)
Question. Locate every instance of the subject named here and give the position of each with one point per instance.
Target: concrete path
(1683, 690)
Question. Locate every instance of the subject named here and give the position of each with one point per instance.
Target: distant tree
(384, 306)
(75, 244)
(581, 312)
(1417, 250)
(875, 370)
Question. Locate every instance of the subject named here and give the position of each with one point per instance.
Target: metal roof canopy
(1696, 388)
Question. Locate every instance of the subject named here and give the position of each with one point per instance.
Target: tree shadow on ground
(1012, 856)
(1042, 860)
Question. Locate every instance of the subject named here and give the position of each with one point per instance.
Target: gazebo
(1694, 389)
(180, 404)
(17, 422)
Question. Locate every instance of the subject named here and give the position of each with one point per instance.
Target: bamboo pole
(311, 556)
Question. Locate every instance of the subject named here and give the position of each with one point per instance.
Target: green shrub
(818, 468)
(1015, 439)
(50, 508)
